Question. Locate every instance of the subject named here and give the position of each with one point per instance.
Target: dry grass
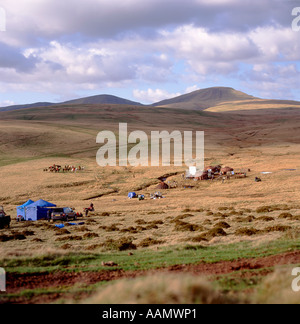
(209, 212)
(107, 233)
(277, 289)
(160, 289)
(270, 207)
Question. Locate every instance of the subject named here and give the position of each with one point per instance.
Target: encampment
(162, 185)
(213, 169)
(38, 210)
(21, 210)
(226, 169)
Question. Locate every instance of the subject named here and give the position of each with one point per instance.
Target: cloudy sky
(146, 50)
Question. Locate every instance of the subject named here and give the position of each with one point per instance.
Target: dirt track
(18, 282)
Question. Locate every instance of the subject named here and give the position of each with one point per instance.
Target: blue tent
(38, 210)
(132, 195)
(21, 210)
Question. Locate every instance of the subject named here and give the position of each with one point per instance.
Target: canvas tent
(162, 185)
(132, 195)
(226, 169)
(21, 210)
(38, 210)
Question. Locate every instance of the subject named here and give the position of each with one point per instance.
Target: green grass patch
(146, 259)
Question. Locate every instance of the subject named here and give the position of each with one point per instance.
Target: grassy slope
(239, 282)
(33, 138)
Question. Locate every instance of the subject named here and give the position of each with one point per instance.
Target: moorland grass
(146, 259)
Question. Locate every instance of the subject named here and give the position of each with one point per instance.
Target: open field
(232, 235)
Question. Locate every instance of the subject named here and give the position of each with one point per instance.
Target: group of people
(53, 168)
(68, 168)
(72, 168)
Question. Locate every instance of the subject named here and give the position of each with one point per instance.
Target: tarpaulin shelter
(21, 210)
(132, 195)
(38, 210)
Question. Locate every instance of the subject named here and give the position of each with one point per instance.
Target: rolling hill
(222, 99)
(205, 98)
(94, 100)
(34, 105)
(216, 99)
(102, 99)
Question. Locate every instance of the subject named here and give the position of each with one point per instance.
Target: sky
(146, 50)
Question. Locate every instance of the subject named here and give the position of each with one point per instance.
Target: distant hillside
(102, 99)
(94, 100)
(34, 105)
(205, 98)
(216, 99)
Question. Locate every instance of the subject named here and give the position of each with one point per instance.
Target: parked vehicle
(62, 214)
(4, 219)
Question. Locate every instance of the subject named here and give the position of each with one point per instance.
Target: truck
(4, 219)
(62, 214)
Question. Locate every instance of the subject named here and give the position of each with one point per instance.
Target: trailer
(4, 219)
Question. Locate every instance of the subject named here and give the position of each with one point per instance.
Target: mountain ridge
(97, 99)
(204, 99)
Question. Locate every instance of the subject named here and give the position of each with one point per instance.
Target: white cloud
(56, 46)
(6, 103)
(192, 89)
(153, 96)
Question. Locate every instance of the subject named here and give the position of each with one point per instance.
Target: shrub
(183, 226)
(71, 238)
(277, 228)
(62, 231)
(66, 246)
(150, 241)
(111, 228)
(90, 235)
(120, 244)
(247, 231)
(248, 219)
(19, 236)
(285, 215)
(223, 208)
(209, 235)
(5, 238)
(141, 222)
(126, 244)
(131, 229)
(265, 219)
(14, 236)
(27, 233)
(161, 289)
(180, 217)
(151, 226)
(263, 209)
(222, 225)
